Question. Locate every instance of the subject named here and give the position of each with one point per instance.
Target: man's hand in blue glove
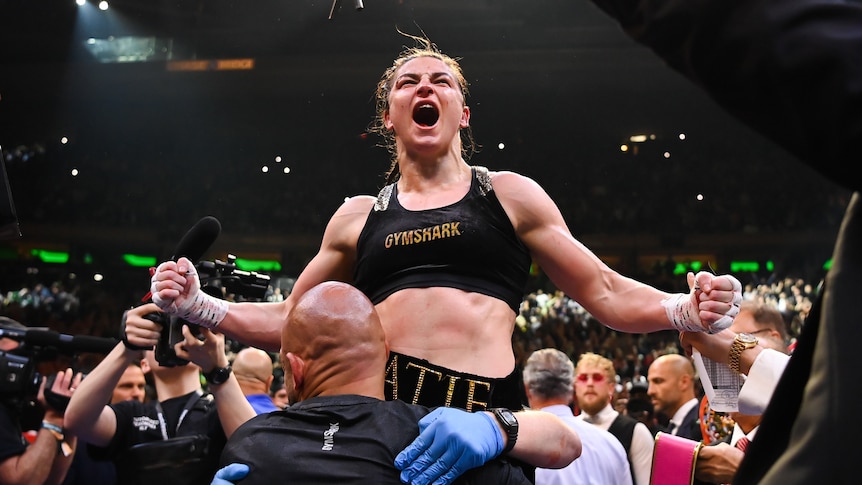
(234, 471)
(450, 442)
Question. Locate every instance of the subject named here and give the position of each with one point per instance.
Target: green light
(257, 265)
(770, 266)
(139, 261)
(827, 264)
(681, 268)
(51, 256)
(744, 266)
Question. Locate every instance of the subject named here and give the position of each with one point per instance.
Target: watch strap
(507, 419)
(739, 345)
(219, 375)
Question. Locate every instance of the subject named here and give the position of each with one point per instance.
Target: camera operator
(176, 438)
(47, 459)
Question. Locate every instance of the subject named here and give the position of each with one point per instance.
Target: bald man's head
(336, 333)
(671, 380)
(677, 364)
(253, 369)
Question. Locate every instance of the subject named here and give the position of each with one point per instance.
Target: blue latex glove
(234, 471)
(450, 442)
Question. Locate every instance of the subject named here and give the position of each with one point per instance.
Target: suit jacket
(690, 426)
(792, 70)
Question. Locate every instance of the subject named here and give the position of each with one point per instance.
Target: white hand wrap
(682, 313)
(167, 306)
(197, 307)
(725, 321)
(204, 310)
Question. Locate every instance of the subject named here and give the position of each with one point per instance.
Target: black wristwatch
(510, 424)
(219, 375)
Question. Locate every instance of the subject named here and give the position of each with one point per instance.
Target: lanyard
(191, 402)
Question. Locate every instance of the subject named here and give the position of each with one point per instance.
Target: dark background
(555, 81)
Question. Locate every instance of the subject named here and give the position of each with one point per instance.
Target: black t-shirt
(344, 439)
(161, 462)
(12, 440)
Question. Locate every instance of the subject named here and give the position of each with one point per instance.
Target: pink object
(673, 460)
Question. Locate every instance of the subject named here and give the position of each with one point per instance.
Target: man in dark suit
(791, 69)
(671, 388)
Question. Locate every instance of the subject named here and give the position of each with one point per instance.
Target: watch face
(506, 417)
(510, 424)
(219, 376)
(746, 338)
(509, 418)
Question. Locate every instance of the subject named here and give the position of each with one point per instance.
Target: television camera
(19, 375)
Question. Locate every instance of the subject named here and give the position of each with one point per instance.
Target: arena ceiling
(181, 96)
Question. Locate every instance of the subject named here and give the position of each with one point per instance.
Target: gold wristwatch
(742, 342)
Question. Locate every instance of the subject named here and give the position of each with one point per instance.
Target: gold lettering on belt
(422, 372)
(471, 393)
(392, 370)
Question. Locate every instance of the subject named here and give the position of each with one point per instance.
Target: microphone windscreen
(98, 345)
(42, 338)
(69, 343)
(198, 239)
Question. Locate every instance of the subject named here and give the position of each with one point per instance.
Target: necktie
(671, 427)
(741, 444)
(591, 419)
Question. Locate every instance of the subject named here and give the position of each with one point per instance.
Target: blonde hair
(424, 48)
(595, 360)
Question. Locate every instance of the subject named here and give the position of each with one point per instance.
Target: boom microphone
(195, 243)
(60, 341)
(198, 239)
(356, 3)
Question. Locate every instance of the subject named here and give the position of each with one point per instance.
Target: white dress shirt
(602, 461)
(641, 449)
(761, 381)
(738, 433)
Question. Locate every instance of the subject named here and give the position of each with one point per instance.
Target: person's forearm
(545, 441)
(30, 468)
(90, 398)
(255, 324)
(62, 463)
(232, 405)
(633, 307)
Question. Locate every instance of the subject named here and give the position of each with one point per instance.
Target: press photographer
(22, 389)
(176, 438)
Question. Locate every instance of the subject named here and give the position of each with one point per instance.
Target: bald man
(339, 428)
(671, 389)
(253, 370)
